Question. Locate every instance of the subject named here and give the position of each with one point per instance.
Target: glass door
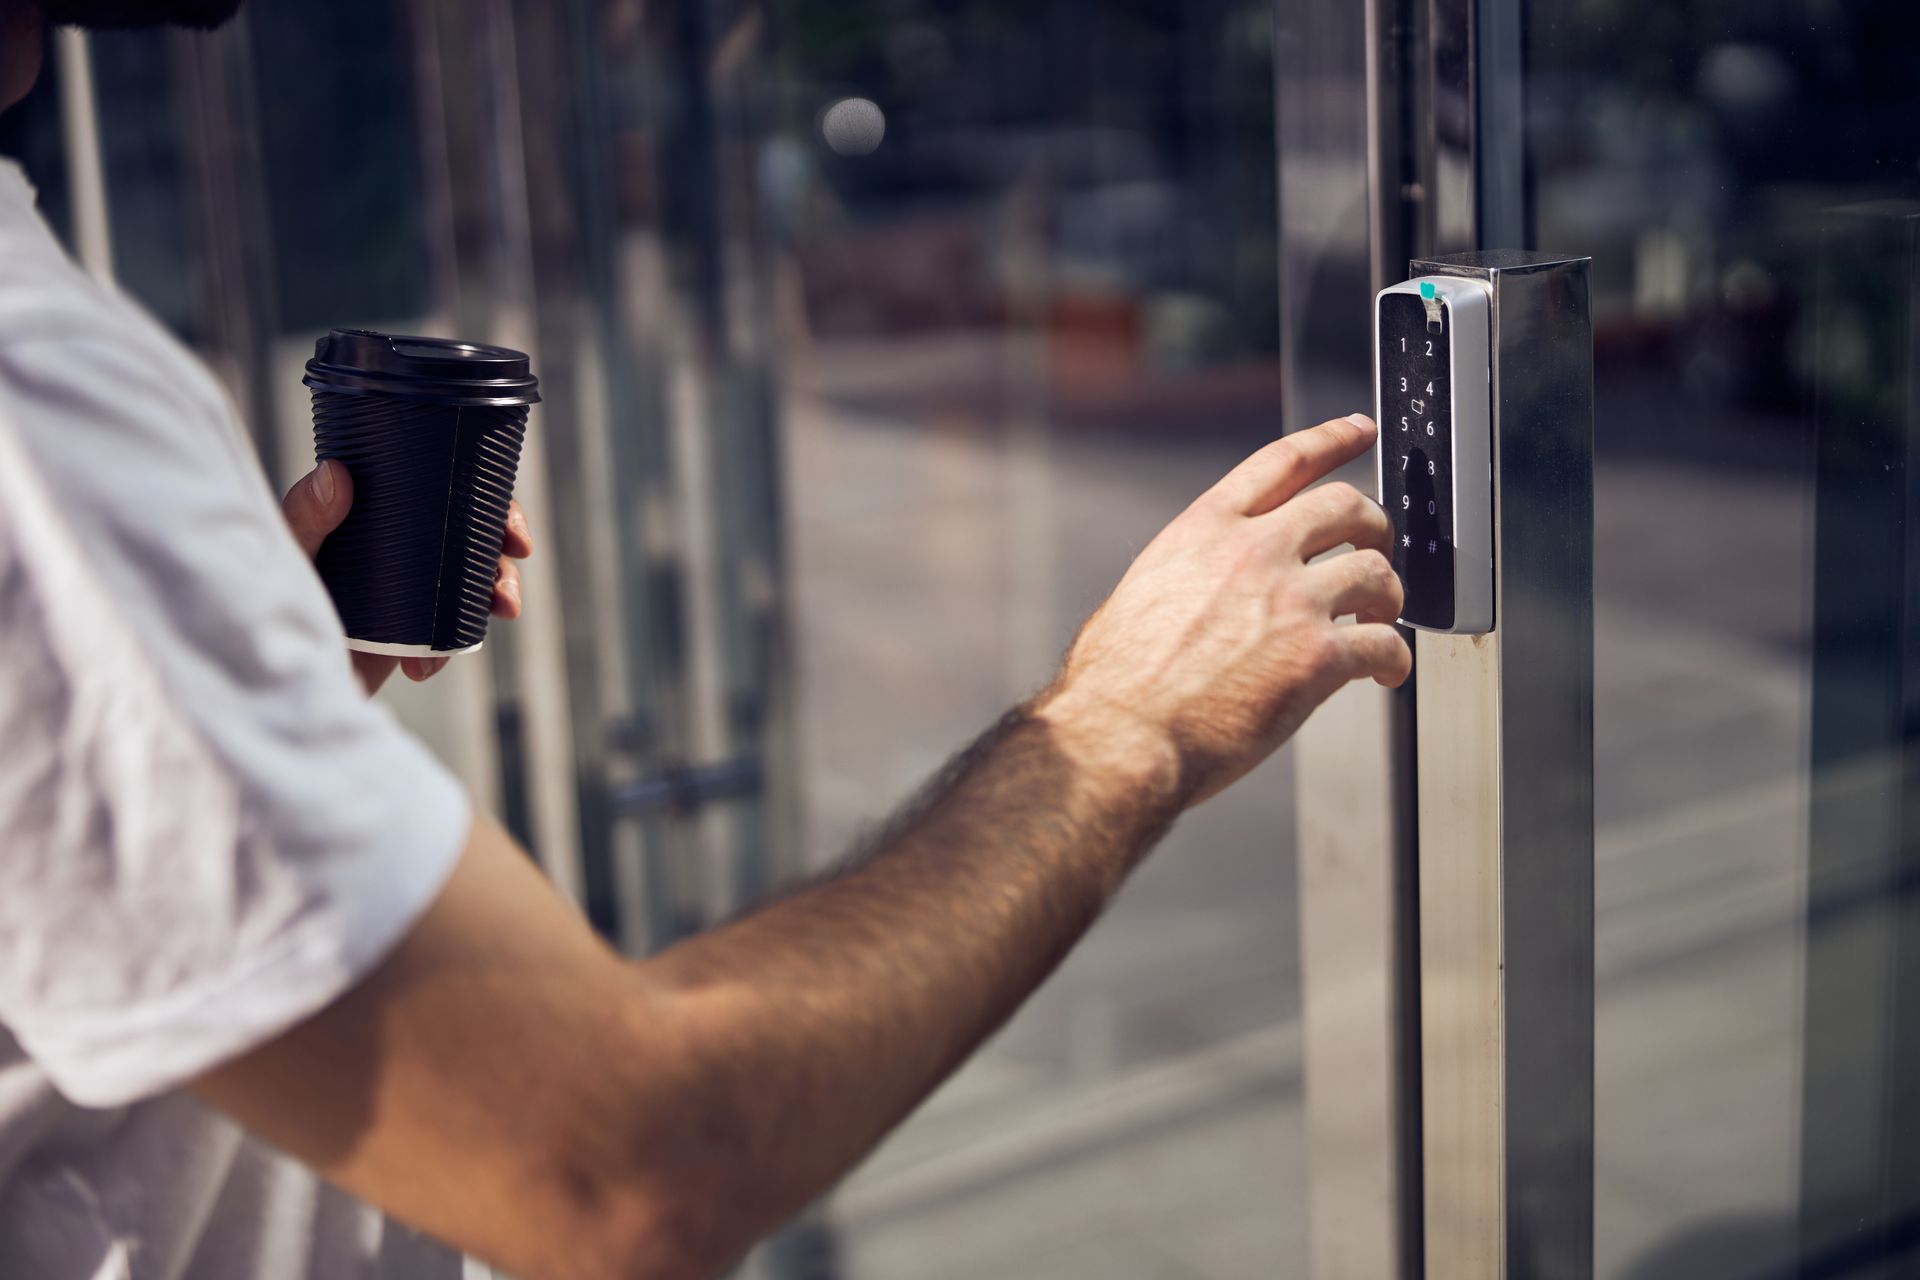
(1746, 180)
(1740, 174)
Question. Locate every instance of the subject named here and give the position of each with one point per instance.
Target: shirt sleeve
(209, 831)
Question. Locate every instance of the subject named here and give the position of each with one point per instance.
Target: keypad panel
(1416, 452)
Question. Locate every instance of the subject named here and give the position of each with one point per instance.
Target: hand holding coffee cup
(430, 431)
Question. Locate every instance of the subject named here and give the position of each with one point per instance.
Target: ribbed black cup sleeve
(414, 562)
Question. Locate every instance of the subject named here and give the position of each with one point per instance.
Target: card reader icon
(1419, 406)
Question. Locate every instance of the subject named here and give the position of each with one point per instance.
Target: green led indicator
(1426, 290)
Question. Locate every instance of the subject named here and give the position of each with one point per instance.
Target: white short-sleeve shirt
(207, 832)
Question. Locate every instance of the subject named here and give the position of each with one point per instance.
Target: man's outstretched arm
(506, 1082)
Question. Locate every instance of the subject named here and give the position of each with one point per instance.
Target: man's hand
(1221, 639)
(314, 508)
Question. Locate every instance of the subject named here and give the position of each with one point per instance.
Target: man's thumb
(316, 505)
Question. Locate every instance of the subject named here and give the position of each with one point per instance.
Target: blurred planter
(1094, 341)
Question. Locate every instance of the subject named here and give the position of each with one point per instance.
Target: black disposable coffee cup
(430, 430)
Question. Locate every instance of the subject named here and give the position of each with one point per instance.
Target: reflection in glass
(839, 443)
(1696, 154)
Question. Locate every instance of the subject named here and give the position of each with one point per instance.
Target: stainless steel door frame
(1505, 765)
(1464, 1148)
(1336, 75)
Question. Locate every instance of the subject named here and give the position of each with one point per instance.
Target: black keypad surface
(1416, 453)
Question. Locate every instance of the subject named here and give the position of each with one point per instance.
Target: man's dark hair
(113, 14)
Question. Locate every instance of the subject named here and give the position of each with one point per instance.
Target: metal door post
(1505, 746)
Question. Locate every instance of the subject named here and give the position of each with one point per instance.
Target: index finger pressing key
(1282, 469)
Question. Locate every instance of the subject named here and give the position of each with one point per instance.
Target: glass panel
(1027, 329)
(839, 443)
(1753, 461)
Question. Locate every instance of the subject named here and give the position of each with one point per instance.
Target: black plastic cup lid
(362, 362)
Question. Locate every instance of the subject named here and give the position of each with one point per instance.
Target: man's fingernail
(1361, 421)
(322, 482)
